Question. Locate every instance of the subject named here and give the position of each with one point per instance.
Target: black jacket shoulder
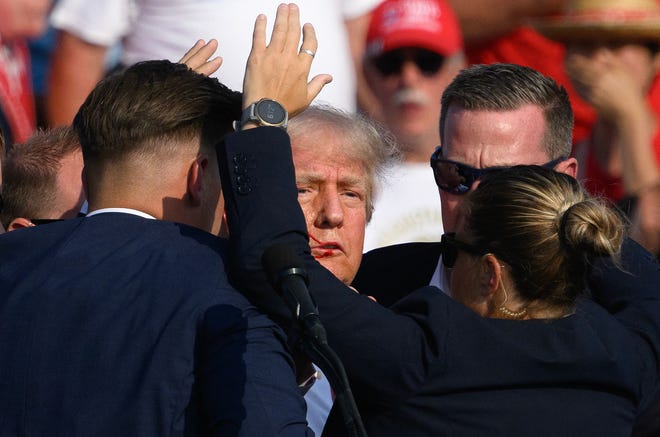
(392, 272)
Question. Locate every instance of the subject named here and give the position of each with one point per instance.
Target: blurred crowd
(390, 61)
(396, 66)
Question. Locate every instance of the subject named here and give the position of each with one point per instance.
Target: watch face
(271, 112)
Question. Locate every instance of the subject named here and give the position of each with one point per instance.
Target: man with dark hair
(492, 116)
(42, 179)
(178, 117)
(124, 322)
(531, 117)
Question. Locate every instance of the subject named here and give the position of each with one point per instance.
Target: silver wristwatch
(265, 112)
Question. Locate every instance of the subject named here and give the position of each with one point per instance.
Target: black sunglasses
(450, 247)
(391, 63)
(457, 178)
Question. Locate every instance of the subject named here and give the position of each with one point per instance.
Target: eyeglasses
(450, 247)
(391, 63)
(457, 178)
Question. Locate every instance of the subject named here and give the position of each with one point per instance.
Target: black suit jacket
(116, 325)
(428, 365)
(391, 273)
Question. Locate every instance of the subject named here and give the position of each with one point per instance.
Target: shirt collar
(122, 211)
(440, 278)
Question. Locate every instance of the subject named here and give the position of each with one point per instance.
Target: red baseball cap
(428, 24)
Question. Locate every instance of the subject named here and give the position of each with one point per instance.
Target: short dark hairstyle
(505, 87)
(29, 173)
(137, 110)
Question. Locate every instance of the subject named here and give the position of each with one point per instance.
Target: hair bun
(591, 228)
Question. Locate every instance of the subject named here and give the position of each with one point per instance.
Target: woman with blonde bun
(526, 240)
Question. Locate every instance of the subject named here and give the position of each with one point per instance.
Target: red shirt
(525, 46)
(16, 97)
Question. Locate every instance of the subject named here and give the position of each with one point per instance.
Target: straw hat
(586, 20)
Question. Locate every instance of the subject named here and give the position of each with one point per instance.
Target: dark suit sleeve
(385, 353)
(247, 379)
(628, 289)
(631, 292)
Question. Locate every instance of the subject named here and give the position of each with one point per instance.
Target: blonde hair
(545, 227)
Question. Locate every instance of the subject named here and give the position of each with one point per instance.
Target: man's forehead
(327, 151)
(487, 138)
(321, 174)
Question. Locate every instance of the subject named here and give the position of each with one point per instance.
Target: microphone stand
(314, 344)
(284, 271)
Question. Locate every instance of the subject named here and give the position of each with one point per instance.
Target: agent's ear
(196, 178)
(224, 227)
(491, 272)
(568, 166)
(19, 223)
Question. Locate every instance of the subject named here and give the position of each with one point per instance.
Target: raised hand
(280, 70)
(606, 83)
(198, 58)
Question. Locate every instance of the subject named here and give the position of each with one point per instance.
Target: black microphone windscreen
(278, 258)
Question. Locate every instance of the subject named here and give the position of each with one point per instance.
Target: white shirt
(440, 278)
(166, 29)
(121, 210)
(319, 402)
(406, 208)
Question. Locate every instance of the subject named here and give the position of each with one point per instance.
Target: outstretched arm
(386, 354)
(76, 68)
(389, 358)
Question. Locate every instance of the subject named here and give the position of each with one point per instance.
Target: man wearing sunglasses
(124, 322)
(396, 356)
(493, 116)
(414, 49)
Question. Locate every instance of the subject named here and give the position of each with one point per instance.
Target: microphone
(285, 272)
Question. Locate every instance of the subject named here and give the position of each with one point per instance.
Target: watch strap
(251, 114)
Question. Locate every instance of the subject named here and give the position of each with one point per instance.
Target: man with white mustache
(414, 49)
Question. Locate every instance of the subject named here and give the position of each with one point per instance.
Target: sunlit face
(332, 191)
(410, 97)
(23, 18)
(487, 139)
